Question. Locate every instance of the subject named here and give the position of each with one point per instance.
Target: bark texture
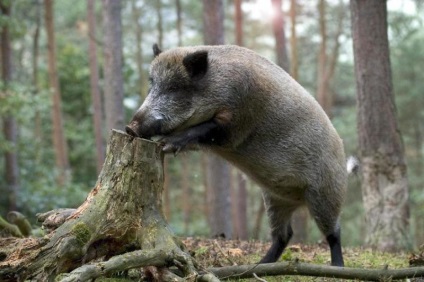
(59, 141)
(114, 85)
(122, 213)
(218, 171)
(10, 128)
(306, 269)
(280, 36)
(385, 184)
(94, 86)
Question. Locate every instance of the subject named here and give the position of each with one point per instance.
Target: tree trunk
(114, 87)
(159, 22)
(9, 123)
(280, 36)
(218, 175)
(327, 64)
(136, 14)
(179, 23)
(385, 184)
(219, 199)
(122, 213)
(186, 193)
(213, 22)
(35, 56)
(166, 191)
(59, 141)
(300, 217)
(94, 84)
(238, 16)
(241, 206)
(294, 66)
(323, 94)
(258, 221)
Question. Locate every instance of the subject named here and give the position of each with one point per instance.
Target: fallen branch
(306, 269)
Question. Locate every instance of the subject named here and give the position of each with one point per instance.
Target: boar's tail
(352, 165)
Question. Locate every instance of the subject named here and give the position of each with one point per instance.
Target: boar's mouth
(158, 128)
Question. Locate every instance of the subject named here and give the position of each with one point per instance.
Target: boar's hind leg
(281, 230)
(325, 211)
(207, 133)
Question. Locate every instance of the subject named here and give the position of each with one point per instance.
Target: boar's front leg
(207, 133)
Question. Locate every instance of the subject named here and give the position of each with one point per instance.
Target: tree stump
(120, 224)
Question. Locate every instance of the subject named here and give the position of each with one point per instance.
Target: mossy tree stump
(120, 222)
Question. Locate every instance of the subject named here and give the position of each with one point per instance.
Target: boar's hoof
(130, 131)
(173, 144)
(171, 148)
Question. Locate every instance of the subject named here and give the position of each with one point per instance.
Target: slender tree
(300, 218)
(114, 87)
(327, 63)
(59, 142)
(385, 184)
(10, 129)
(94, 85)
(179, 22)
(280, 36)
(218, 171)
(138, 30)
(294, 66)
(35, 80)
(159, 22)
(186, 192)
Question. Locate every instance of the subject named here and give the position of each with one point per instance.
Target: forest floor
(218, 253)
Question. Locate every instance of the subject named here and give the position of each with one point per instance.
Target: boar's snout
(145, 129)
(130, 131)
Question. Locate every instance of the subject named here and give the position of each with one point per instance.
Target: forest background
(38, 185)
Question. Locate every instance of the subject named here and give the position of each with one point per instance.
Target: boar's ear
(156, 50)
(196, 64)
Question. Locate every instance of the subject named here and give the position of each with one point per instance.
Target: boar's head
(179, 95)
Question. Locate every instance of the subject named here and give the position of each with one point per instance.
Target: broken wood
(122, 214)
(314, 270)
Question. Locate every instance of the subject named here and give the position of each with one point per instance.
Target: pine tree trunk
(179, 23)
(158, 4)
(323, 94)
(218, 170)
(94, 85)
(9, 123)
(385, 184)
(138, 30)
(186, 193)
(122, 213)
(327, 63)
(280, 36)
(294, 66)
(300, 217)
(59, 141)
(114, 85)
(35, 58)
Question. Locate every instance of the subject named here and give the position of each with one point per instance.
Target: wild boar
(244, 108)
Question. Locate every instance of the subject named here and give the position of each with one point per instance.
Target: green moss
(82, 233)
(287, 255)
